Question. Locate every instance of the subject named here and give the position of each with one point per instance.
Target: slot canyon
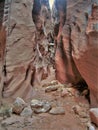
(49, 64)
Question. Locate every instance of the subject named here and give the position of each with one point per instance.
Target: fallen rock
(72, 91)
(27, 112)
(51, 88)
(90, 126)
(76, 109)
(36, 103)
(18, 105)
(64, 93)
(57, 111)
(40, 106)
(46, 107)
(80, 111)
(54, 82)
(94, 115)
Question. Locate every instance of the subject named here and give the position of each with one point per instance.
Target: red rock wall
(77, 58)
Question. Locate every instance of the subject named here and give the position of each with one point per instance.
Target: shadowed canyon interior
(48, 64)
(44, 44)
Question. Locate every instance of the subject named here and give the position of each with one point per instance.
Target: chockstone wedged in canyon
(41, 45)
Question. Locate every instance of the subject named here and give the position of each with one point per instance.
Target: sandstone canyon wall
(78, 54)
(28, 52)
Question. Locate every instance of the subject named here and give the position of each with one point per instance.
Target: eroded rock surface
(77, 46)
(29, 51)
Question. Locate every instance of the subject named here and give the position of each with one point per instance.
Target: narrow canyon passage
(48, 73)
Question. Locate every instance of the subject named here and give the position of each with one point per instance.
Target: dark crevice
(12, 28)
(32, 78)
(81, 86)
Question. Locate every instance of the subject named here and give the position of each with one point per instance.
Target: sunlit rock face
(77, 55)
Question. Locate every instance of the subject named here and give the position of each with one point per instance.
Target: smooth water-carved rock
(77, 51)
(88, 55)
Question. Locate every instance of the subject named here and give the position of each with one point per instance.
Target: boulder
(18, 105)
(27, 112)
(40, 106)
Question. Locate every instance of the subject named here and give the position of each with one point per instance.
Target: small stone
(36, 104)
(83, 114)
(84, 120)
(54, 82)
(94, 115)
(57, 111)
(64, 93)
(27, 112)
(90, 126)
(79, 111)
(46, 85)
(76, 109)
(85, 92)
(51, 88)
(46, 107)
(72, 91)
(18, 105)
